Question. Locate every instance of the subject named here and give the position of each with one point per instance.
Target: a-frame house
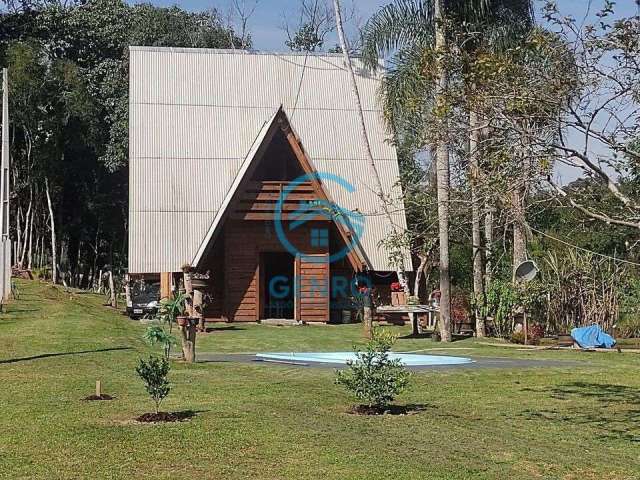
(272, 202)
(261, 274)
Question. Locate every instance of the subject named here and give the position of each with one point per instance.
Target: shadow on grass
(416, 335)
(223, 329)
(21, 310)
(63, 354)
(616, 415)
(456, 337)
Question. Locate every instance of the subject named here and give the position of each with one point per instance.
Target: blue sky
(265, 25)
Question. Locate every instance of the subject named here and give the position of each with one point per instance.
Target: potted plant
(413, 300)
(173, 309)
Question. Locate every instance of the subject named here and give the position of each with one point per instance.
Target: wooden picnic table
(418, 310)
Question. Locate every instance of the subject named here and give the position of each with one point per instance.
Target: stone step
(281, 322)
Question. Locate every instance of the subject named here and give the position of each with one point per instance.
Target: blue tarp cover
(592, 337)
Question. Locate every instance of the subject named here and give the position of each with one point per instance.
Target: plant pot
(182, 321)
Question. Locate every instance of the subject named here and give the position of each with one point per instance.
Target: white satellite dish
(526, 271)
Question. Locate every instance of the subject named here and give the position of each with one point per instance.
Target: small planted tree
(170, 309)
(373, 378)
(157, 335)
(154, 375)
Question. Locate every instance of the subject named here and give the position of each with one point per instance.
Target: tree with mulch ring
(374, 379)
(164, 417)
(154, 375)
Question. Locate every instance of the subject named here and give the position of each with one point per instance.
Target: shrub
(628, 326)
(536, 332)
(373, 378)
(154, 375)
(172, 307)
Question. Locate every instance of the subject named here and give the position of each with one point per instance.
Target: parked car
(144, 299)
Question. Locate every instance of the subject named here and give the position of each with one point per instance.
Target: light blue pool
(341, 358)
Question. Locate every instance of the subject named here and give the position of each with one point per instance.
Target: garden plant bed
(166, 417)
(387, 410)
(98, 398)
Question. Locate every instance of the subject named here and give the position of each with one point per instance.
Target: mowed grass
(579, 421)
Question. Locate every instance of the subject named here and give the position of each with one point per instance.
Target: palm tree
(407, 29)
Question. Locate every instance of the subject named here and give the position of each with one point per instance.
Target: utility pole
(5, 242)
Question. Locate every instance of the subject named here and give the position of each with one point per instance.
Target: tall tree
(365, 143)
(413, 28)
(69, 67)
(315, 20)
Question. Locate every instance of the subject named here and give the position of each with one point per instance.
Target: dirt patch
(95, 398)
(387, 410)
(166, 417)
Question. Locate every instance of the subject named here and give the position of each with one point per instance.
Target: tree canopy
(68, 64)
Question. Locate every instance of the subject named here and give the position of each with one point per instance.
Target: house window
(319, 237)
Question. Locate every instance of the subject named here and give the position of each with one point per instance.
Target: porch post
(165, 285)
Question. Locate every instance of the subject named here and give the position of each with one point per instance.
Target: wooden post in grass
(188, 331)
(113, 297)
(198, 308)
(165, 285)
(98, 389)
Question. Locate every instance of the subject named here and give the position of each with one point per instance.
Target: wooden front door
(312, 288)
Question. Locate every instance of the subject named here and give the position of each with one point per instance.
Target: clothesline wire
(564, 242)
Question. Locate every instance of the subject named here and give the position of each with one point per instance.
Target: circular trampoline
(342, 358)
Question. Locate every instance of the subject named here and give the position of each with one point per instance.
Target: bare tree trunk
(402, 277)
(488, 243)
(476, 227)
(54, 260)
(519, 201)
(42, 250)
(30, 251)
(424, 259)
(99, 284)
(38, 252)
(27, 222)
(442, 173)
(415, 321)
(518, 205)
(18, 244)
(519, 237)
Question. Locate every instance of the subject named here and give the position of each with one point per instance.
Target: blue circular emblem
(306, 211)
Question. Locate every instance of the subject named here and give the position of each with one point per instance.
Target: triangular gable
(278, 121)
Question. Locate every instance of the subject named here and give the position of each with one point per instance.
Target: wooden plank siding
(312, 292)
(243, 244)
(259, 200)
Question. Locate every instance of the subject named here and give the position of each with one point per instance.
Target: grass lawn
(280, 422)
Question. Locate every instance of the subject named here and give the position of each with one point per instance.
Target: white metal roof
(196, 113)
